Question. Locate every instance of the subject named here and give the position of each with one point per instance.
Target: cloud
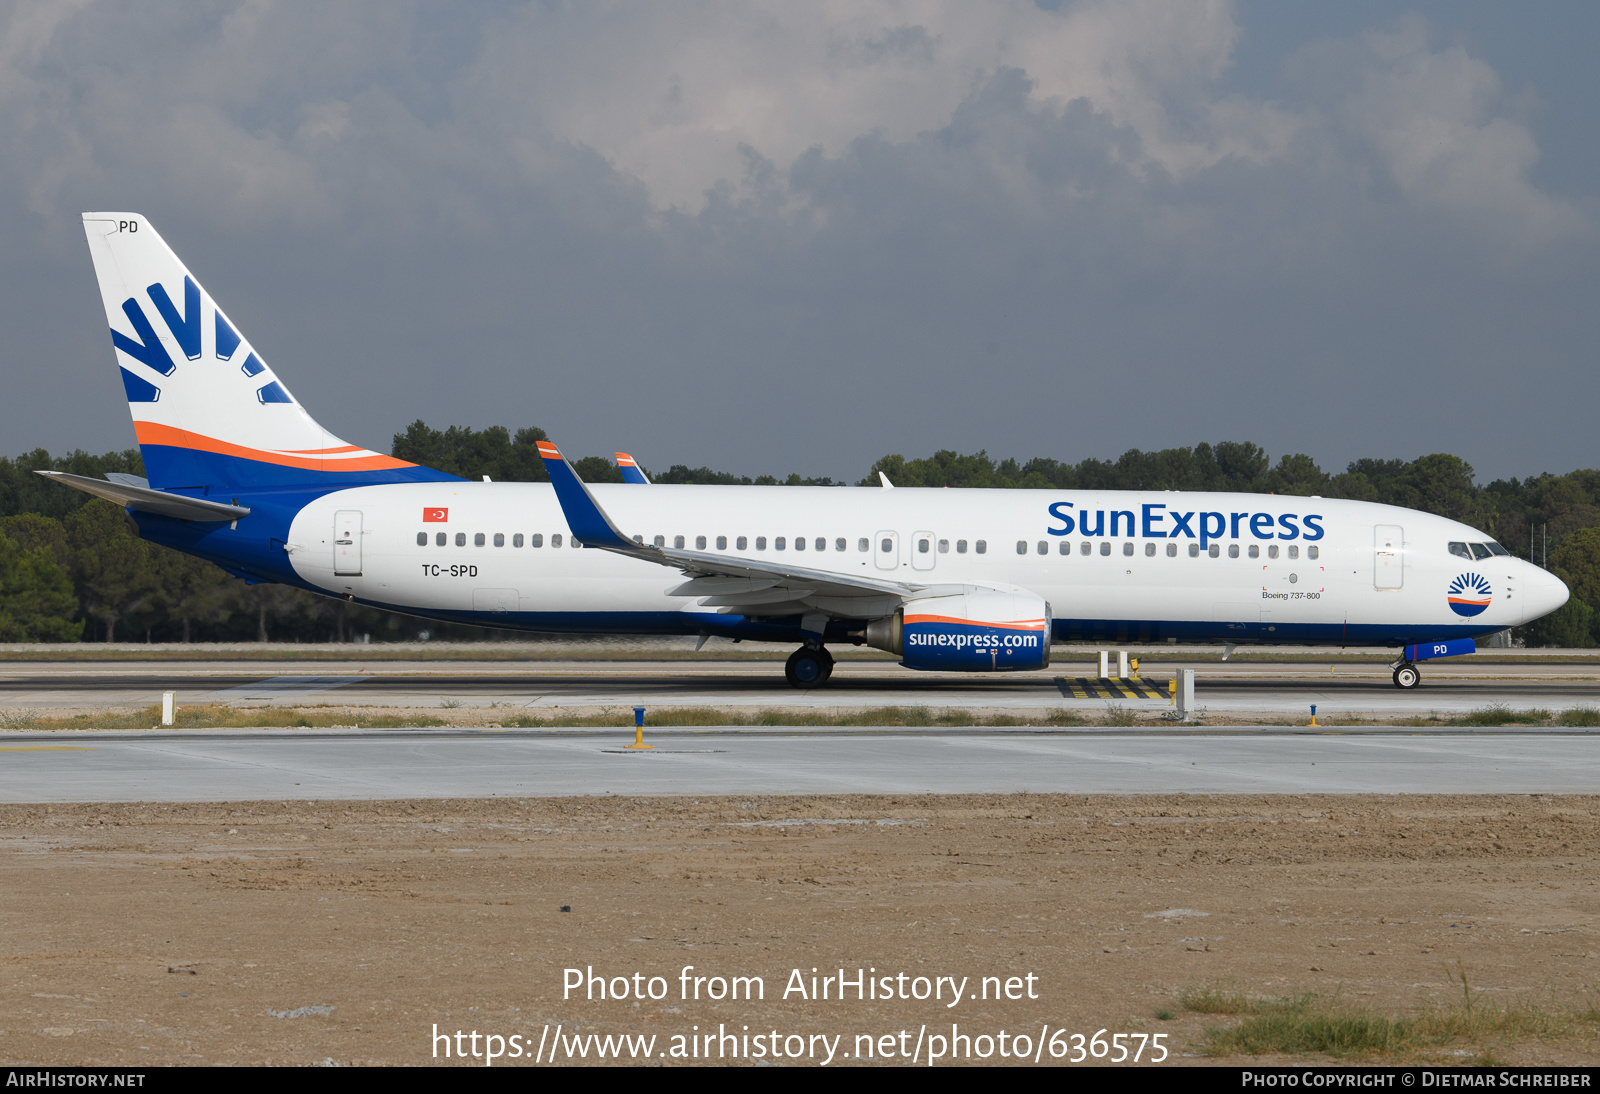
(771, 235)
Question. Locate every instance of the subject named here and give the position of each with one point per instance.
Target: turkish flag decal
(435, 516)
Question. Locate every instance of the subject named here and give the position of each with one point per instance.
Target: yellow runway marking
(44, 748)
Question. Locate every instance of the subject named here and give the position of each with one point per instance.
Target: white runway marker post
(169, 707)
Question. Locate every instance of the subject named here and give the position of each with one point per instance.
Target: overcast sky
(778, 236)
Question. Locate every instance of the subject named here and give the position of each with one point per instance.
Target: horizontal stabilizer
(146, 500)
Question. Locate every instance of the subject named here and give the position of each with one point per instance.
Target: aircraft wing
(126, 493)
(730, 582)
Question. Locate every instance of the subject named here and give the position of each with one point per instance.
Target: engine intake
(971, 632)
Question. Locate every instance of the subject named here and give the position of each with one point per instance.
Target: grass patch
(1579, 716)
(1299, 1026)
(1498, 714)
(1306, 1024)
(221, 717)
(1217, 1000)
(882, 717)
(1120, 715)
(332, 717)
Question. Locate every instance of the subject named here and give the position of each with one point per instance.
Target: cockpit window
(1479, 551)
(1461, 550)
(1496, 549)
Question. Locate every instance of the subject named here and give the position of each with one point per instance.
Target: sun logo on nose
(1470, 594)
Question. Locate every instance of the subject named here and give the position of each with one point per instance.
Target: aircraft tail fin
(207, 409)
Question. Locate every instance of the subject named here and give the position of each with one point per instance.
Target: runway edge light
(638, 730)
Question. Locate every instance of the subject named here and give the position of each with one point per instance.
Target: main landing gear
(1406, 676)
(809, 667)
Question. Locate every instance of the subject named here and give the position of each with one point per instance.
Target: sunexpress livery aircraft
(973, 580)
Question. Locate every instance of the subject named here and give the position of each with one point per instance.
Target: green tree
(473, 453)
(111, 567)
(36, 601)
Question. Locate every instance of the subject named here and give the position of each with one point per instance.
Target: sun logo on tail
(1470, 594)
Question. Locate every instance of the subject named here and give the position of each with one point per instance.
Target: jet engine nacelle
(990, 631)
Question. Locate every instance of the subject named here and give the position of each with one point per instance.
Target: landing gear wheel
(808, 667)
(1407, 677)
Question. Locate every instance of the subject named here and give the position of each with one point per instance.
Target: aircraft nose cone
(1546, 592)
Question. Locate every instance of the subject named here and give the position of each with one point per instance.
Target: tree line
(72, 569)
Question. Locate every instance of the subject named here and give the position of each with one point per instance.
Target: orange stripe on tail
(155, 433)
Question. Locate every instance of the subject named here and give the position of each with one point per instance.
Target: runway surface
(315, 764)
(1247, 688)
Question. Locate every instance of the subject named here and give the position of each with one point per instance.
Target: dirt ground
(163, 934)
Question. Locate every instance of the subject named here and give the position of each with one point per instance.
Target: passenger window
(861, 544)
(761, 543)
(1255, 550)
(1194, 550)
(639, 540)
(778, 544)
(1127, 550)
(981, 546)
(572, 541)
(1460, 550)
(886, 546)
(461, 539)
(838, 544)
(1272, 552)
(1479, 551)
(1311, 552)
(1065, 548)
(422, 539)
(1172, 550)
(1043, 548)
(477, 539)
(555, 539)
(499, 539)
(722, 543)
(961, 546)
(537, 540)
(1085, 547)
(439, 539)
(822, 544)
(1294, 550)
(799, 543)
(699, 543)
(924, 545)
(741, 543)
(660, 541)
(1149, 550)
(1105, 547)
(516, 540)
(677, 543)
(944, 546)
(1233, 550)
(1022, 546)
(1215, 550)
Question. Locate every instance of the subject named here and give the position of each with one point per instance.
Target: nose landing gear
(809, 667)
(1406, 676)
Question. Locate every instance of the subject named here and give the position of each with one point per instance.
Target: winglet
(630, 470)
(587, 520)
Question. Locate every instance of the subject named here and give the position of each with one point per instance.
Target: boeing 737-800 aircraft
(967, 580)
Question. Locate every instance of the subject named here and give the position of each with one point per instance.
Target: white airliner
(973, 580)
